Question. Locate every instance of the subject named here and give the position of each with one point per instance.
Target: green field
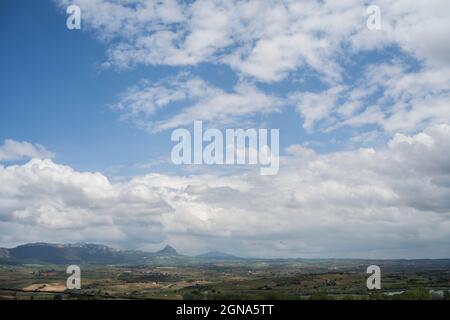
(259, 279)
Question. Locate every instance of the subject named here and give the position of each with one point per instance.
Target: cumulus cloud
(389, 202)
(140, 104)
(267, 42)
(62, 203)
(12, 150)
(264, 40)
(257, 39)
(387, 94)
(409, 25)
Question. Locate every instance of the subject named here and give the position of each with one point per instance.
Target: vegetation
(234, 279)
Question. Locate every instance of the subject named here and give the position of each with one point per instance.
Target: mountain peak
(168, 251)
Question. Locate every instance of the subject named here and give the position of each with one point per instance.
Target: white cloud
(418, 28)
(264, 40)
(258, 39)
(201, 102)
(12, 150)
(268, 41)
(386, 202)
(390, 202)
(314, 107)
(388, 95)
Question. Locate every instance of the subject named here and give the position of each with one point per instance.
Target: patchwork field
(326, 279)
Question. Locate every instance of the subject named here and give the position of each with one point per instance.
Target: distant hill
(217, 255)
(97, 254)
(167, 251)
(87, 253)
(81, 253)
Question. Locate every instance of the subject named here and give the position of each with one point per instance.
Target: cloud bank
(392, 202)
(389, 201)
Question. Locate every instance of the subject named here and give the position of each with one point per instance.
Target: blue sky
(57, 94)
(86, 117)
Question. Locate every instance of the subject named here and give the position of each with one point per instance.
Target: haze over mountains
(97, 254)
(85, 253)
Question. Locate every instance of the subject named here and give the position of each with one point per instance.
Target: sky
(86, 118)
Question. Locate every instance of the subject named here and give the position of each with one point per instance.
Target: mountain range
(86, 253)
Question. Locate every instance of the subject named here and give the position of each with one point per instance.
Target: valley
(168, 275)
